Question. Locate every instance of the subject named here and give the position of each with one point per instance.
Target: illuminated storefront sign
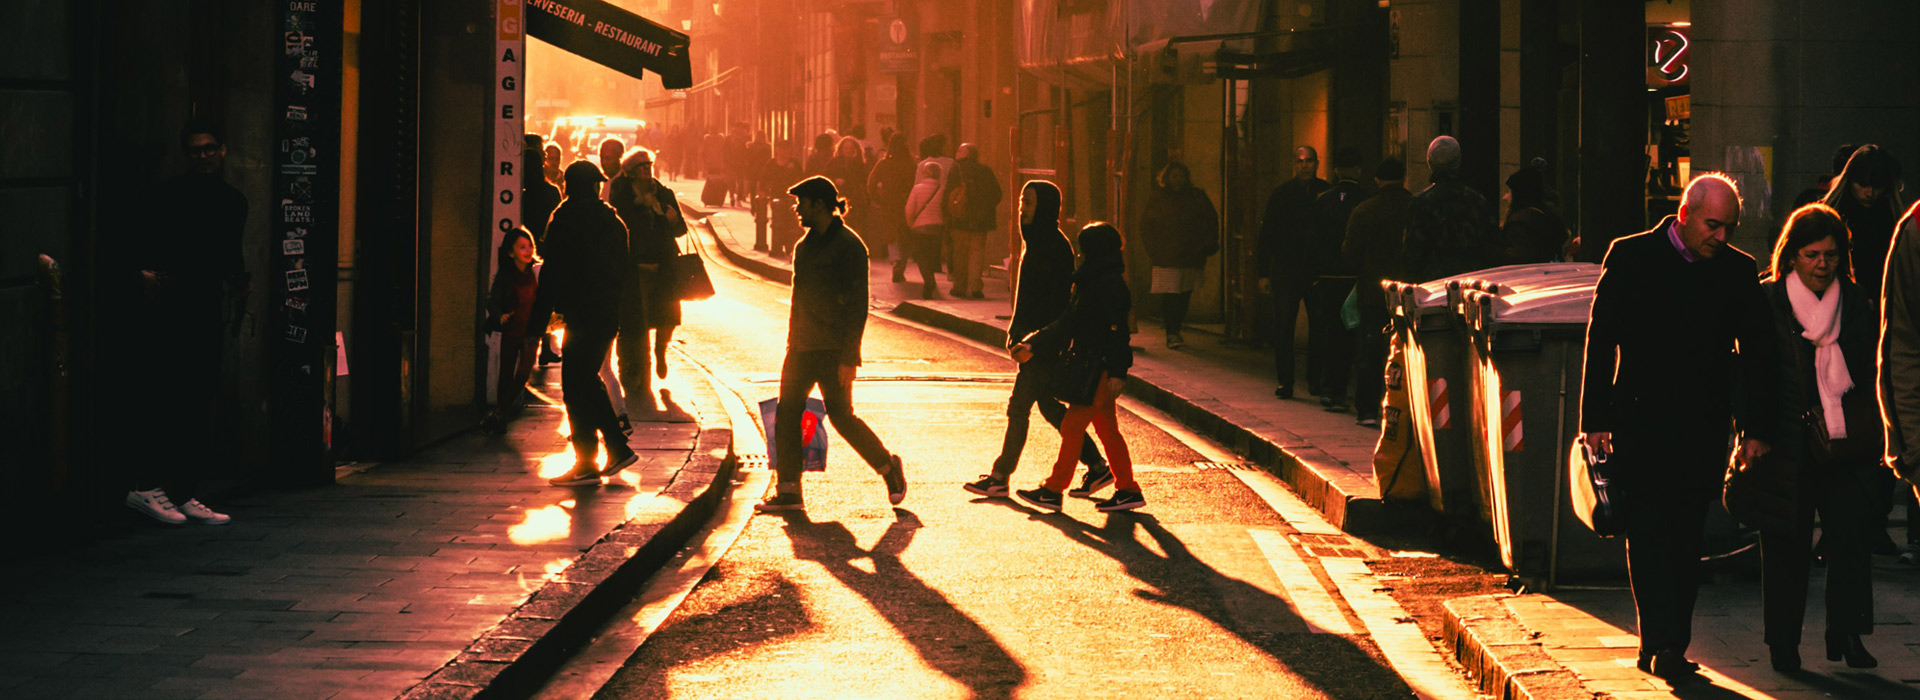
(1668, 51)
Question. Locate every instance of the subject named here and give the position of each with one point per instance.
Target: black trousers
(1841, 496)
(1370, 362)
(1668, 491)
(1030, 390)
(1173, 310)
(799, 374)
(1287, 295)
(1329, 343)
(180, 367)
(590, 415)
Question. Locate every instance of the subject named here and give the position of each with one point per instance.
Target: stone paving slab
(1528, 645)
(1224, 391)
(367, 587)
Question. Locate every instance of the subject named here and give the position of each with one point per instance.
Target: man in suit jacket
(1660, 386)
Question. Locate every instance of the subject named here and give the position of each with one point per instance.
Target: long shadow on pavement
(1327, 662)
(775, 610)
(946, 638)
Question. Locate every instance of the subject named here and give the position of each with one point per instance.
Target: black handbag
(1595, 492)
(1863, 443)
(688, 275)
(1762, 494)
(1076, 378)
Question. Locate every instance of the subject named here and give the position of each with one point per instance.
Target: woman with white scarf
(1827, 328)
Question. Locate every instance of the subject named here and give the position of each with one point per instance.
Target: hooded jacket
(1046, 267)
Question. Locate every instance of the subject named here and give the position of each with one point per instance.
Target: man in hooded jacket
(1045, 285)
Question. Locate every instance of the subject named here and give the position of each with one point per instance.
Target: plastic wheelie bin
(1527, 346)
(1434, 349)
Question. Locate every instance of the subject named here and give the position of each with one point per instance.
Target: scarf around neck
(1820, 317)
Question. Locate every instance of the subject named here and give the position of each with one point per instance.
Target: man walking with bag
(1659, 394)
(823, 344)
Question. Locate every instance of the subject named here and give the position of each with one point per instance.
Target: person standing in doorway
(828, 319)
(1182, 230)
(1284, 229)
(188, 270)
(587, 266)
(1671, 306)
(1045, 287)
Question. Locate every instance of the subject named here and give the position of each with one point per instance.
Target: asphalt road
(951, 595)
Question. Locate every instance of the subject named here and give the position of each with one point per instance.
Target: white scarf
(1820, 316)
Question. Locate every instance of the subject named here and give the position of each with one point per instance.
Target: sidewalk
(1225, 390)
(454, 571)
(1573, 643)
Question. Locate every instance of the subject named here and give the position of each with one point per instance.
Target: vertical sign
(303, 213)
(509, 104)
(509, 47)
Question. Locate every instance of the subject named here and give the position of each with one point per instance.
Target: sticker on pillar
(1510, 424)
(1442, 414)
(296, 280)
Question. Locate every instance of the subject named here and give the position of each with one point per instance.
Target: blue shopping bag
(813, 438)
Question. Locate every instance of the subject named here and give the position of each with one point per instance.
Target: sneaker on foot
(1040, 497)
(1910, 555)
(780, 503)
(1175, 342)
(582, 474)
(1095, 480)
(1369, 421)
(1122, 500)
(626, 425)
(1333, 406)
(989, 485)
(896, 482)
(200, 513)
(615, 464)
(1283, 392)
(154, 504)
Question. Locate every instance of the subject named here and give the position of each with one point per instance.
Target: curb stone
(517, 655)
(1502, 658)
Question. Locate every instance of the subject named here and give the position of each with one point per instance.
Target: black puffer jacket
(1096, 319)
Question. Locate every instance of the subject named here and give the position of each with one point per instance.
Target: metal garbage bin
(1426, 327)
(1526, 348)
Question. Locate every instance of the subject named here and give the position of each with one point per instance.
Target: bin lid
(1434, 293)
(1567, 302)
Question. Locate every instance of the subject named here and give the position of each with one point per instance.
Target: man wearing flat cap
(1450, 226)
(586, 269)
(823, 344)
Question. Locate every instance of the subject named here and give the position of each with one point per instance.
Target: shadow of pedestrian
(944, 637)
(1852, 685)
(768, 610)
(1331, 663)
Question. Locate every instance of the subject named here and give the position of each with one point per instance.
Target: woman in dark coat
(1094, 326)
(887, 188)
(1182, 230)
(653, 223)
(848, 171)
(1827, 331)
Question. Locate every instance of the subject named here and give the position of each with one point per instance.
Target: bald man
(1658, 393)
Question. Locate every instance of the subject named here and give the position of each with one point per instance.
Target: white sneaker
(154, 504)
(199, 512)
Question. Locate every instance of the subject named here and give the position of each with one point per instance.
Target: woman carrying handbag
(1092, 340)
(1826, 327)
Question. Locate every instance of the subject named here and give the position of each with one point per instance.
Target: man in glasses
(1292, 212)
(189, 267)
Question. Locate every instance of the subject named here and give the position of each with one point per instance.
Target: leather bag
(1762, 494)
(1863, 442)
(1595, 491)
(1075, 378)
(688, 275)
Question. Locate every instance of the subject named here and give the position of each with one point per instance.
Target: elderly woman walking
(1830, 438)
(1182, 230)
